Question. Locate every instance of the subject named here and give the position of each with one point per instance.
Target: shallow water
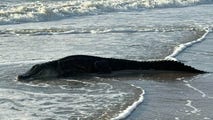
(189, 97)
(84, 98)
(32, 32)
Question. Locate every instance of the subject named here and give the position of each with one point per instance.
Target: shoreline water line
(132, 107)
(180, 48)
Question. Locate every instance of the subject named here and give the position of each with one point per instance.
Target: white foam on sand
(189, 104)
(203, 94)
(131, 108)
(182, 47)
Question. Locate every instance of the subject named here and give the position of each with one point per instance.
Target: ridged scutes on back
(171, 66)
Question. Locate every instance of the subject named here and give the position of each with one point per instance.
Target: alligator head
(39, 71)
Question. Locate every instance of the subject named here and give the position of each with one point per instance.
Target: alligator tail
(168, 65)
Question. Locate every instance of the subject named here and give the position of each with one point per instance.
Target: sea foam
(131, 108)
(54, 10)
(182, 47)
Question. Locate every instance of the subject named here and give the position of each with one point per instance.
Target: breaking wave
(54, 10)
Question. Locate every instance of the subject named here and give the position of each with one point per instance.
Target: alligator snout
(22, 77)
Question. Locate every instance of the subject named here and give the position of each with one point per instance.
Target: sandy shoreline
(180, 97)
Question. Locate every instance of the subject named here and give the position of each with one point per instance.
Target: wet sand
(176, 96)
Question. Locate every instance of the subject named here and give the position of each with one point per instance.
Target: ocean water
(37, 31)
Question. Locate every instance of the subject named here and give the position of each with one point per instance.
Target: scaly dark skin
(79, 64)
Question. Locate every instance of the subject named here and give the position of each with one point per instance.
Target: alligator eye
(34, 68)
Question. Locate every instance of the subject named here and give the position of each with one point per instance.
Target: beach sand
(125, 30)
(180, 96)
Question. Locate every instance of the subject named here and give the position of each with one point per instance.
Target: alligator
(78, 64)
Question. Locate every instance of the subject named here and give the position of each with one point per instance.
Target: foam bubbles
(194, 109)
(68, 99)
(53, 10)
(182, 47)
(130, 108)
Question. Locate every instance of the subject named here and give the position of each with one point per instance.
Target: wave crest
(46, 11)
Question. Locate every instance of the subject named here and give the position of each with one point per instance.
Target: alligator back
(167, 65)
(122, 64)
